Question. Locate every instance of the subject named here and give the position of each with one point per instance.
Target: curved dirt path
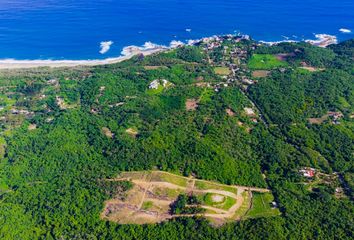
(146, 184)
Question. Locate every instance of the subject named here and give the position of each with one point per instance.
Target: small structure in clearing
(335, 116)
(308, 172)
(158, 82)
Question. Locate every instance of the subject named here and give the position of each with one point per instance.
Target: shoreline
(322, 40)
(26, 64)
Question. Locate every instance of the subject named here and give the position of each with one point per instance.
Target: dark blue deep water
(73, 29)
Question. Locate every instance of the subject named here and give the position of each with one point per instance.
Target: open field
(261, 206)
(155, 67)
(153, 91)
(318, 120)
(222, 70)
(312, 69)
(265, 62)
(153, 193)
(260, 73)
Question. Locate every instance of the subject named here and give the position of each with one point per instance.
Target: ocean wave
(147, 46)
(321, 40)
(105, 46)
(345, 30)
(128, 52)
(150, 46)
(176, 44)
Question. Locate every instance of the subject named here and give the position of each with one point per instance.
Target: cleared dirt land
(260, 73)
(153, 192)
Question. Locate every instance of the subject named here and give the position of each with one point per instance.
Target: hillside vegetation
(65, 131)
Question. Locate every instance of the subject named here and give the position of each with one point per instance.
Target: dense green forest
(63, 131)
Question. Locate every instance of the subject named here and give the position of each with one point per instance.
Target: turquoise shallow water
(74, 29)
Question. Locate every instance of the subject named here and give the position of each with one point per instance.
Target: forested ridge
(239, 112)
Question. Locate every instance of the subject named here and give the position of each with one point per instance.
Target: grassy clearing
(6, 103)
(209, 211)
(2, 146)
(157, 91)
(245, 205)
(261, 206)
(225, 204)
(222, 71)
(134, 175)
(206, 95)
(265, 62)
(3, 186)
(167, 192)
(203, 185)
(166, 177)
(147, 205)
(229, 202)
(209, 201)
(344, 103)
(302, 71)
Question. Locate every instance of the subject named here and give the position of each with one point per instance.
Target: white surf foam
(176, 44)
(146, 47)
(345, 30)
(321, 40)
(105, 46)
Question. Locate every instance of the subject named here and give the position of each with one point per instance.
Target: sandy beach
(129, 53)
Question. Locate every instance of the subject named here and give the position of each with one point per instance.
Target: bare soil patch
(200, 78)
(150, 198)
(106, 131)
(202, 84)
(154, 67)
(318, 120)
(250, 112)
(217, 198)
(32, 127)
(312, 69)
(260, 73)
(192, 104)
(284, 56)
(230, 112)
(132, 132)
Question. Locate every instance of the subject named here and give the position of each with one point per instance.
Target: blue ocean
(75, 29)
